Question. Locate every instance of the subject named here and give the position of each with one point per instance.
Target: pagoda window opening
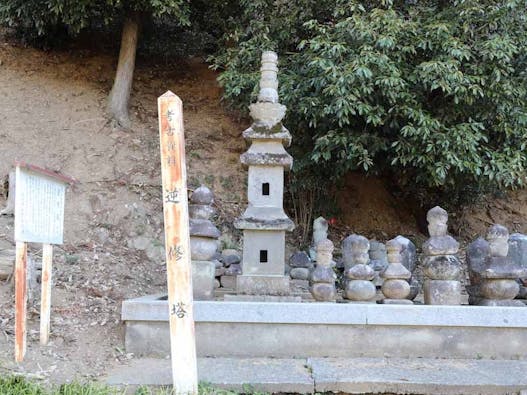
(265, 189)
(263, 256)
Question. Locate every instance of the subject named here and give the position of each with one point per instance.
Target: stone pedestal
(203, 279)
(262, 285)
(440, 292)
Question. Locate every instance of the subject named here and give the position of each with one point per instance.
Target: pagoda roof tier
(267, 159)
(261, 132)
(264, 218)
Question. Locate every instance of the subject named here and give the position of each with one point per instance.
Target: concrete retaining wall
(258, 329)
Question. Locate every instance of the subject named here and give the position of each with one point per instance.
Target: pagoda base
(262, 285)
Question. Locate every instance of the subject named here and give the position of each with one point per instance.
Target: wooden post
(45, 300)
(20, 300)
(177, 244)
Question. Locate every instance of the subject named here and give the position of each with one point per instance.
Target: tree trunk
(122, 86)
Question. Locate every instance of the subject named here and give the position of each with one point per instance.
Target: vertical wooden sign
(45, 299)
(20, 300)
(177, 244)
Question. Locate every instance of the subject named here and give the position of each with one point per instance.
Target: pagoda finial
(269, 78)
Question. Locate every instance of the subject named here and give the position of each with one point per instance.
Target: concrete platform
(350, 375)
(302, 330)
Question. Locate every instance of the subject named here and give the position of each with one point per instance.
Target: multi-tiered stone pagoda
(264, 222)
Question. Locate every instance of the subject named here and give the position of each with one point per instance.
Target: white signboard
(39, 207)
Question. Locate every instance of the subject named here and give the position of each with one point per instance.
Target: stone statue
(322, 278)
(498, 275)
(395, 286)
(358, 286)
(203, 243)
(441, 266)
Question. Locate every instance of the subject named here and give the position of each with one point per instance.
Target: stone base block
(262, 285)
(228, 282)
(442, 292)
(203, 279)
(508, 303)
(396, 301)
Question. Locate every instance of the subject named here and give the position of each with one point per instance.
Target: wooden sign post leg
(20, 300)
(45, 300)
(177, 244)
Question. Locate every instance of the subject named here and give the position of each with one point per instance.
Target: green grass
(18, 385)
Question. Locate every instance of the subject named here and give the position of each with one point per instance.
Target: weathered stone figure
(264, 222)
(409, 261)
(499, 276)
(378, 260)
(518, 254)
(358, 274)
(477, 254)
(441, 265)
(203, 243)
(322, 278)
(320, 232)
(395, 286)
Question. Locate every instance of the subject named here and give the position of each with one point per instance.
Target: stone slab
(247, 375)
(348, 375)
(418, 376)
(151, 308)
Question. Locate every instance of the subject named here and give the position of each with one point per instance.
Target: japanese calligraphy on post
(177, 244)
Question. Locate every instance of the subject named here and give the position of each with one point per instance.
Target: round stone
(323, 292)
(395, 289)
(360, 290)
(360, 272)
(203, 228)
(200, 211)
(300, 259)
(441, 245)
(299, 273)
(202, 195)
(233, 270)
(203, 248)
(323, 274)
(500, 289)
(230, 259)
(442, 267)
(396, 271)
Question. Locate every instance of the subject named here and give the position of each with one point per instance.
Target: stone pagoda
(264, 222)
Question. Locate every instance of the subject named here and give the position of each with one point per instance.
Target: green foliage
(433, 93)
(44, 18)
